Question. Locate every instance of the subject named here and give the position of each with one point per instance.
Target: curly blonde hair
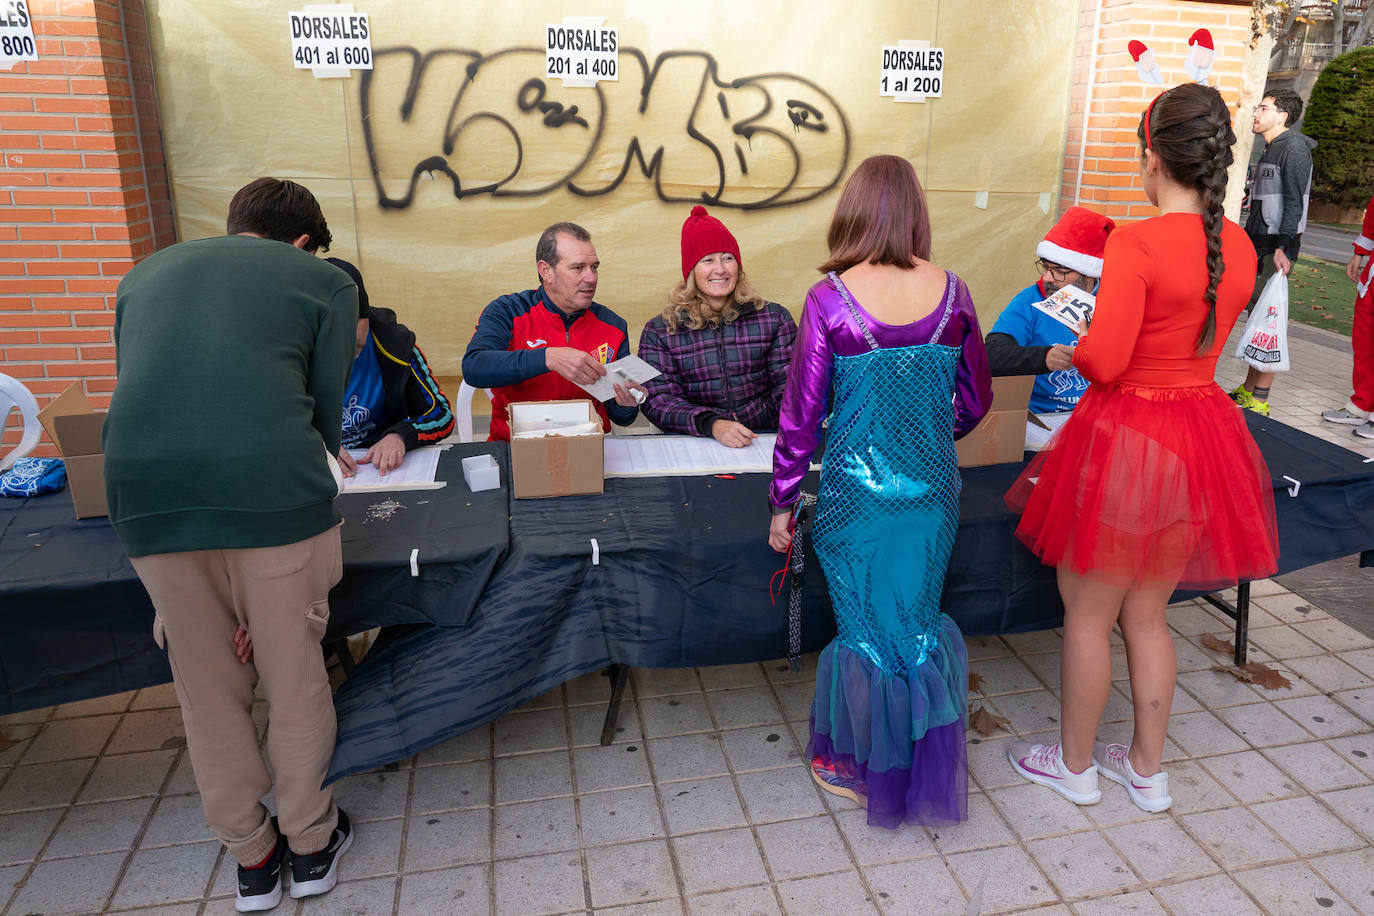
(687, 307)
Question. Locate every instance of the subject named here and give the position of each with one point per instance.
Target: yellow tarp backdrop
(438, 168)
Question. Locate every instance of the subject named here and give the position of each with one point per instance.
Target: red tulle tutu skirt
(1144, 487)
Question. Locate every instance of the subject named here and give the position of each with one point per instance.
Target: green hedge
(1340, 117)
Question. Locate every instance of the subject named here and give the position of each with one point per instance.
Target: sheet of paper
(415, 473)
(1068, 306)
(1036, 438)
(621, 372)
(685, 456)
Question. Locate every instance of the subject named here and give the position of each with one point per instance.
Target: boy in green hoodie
(232, 354)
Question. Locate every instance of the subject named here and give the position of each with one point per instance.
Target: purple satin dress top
(827, 328)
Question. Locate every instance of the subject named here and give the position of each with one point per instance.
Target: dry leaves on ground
(1256, 673)
(975, 682)
(6, 742)
(985, 723)
(1218, 645)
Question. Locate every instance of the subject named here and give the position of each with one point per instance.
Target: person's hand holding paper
(623, 380)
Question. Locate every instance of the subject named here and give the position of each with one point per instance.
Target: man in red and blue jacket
(540, 344)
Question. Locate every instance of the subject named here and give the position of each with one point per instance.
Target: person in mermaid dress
(892, 342)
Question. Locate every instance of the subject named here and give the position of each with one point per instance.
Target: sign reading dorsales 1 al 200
(16, 33)
(580, 52)
(912, 71)
(331, 40)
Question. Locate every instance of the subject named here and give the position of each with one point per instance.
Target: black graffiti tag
(491, 124)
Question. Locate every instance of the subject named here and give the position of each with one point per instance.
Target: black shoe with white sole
(318, 872)
(260, 888)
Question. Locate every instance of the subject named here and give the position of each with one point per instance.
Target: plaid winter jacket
(735, 371)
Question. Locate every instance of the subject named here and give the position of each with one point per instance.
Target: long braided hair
(1189, 129)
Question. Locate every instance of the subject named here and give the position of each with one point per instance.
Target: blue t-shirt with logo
(1028, 326)
(364, 407)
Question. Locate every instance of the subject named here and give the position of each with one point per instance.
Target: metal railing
(1301, 56)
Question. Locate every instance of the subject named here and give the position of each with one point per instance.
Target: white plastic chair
(462, 410)
(13, 395)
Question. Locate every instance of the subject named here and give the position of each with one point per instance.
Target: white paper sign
(912, 71)
(16, 34)
(330, 40)
(1068, 306)
(581, 51)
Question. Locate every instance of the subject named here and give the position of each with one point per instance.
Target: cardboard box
(544, 460)
(75, 427)
(1001, 437)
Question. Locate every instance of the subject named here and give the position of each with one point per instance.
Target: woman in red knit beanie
(722, 348)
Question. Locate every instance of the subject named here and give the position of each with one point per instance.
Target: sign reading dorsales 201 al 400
(331, 40)
(578, 51)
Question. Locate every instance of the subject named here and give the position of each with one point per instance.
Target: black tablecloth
(75, 621)
(682, 580)
(508, 603)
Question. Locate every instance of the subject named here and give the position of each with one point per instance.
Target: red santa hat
(1202, 37)
(1077, 241)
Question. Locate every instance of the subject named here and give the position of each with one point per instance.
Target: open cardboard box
(545, 462)
(74, 427)
(1001, 436)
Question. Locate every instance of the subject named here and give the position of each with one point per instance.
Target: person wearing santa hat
(1027, 341)
(723, 350)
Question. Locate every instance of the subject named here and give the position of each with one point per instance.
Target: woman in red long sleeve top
(1154, 482)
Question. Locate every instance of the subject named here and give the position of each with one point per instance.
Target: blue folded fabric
(33, 477)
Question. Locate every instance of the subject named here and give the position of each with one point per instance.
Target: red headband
(1149, 108)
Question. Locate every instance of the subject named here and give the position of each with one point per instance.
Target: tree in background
(1340, 117)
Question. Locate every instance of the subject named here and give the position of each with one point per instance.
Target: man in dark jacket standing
(1278, 210)
(220, 474)
(393, 402)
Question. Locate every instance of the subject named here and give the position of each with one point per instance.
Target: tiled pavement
(701, 805)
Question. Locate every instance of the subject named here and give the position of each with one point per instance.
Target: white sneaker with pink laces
(1044, 764)
(1150, 793)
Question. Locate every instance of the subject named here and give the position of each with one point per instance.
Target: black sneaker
(318, 872)
(260, 888)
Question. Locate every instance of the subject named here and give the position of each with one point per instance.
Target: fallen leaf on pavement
(1267, 677)
(985, 723)
(1218, 645)
(1239, 674)
(975, 682)
(1256, 673)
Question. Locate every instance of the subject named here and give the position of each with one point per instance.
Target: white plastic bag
(1264, 342)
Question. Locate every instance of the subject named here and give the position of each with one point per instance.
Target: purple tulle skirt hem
(934, 790)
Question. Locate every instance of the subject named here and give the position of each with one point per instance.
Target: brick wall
(83, 193)
(1101, 168)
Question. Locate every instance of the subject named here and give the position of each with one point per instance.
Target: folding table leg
(620, 676)
(1240, 613)
(1242, 621)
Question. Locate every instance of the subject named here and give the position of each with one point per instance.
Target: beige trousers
(281, 594)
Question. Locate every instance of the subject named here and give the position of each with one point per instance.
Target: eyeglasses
(1265, 108)
(1060, 274)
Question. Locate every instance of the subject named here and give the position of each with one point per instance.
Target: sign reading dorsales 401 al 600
(340, 40)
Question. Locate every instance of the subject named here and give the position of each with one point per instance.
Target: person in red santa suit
(1359, 410)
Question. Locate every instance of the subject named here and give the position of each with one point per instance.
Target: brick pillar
(1101, 169)
(83, 193)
